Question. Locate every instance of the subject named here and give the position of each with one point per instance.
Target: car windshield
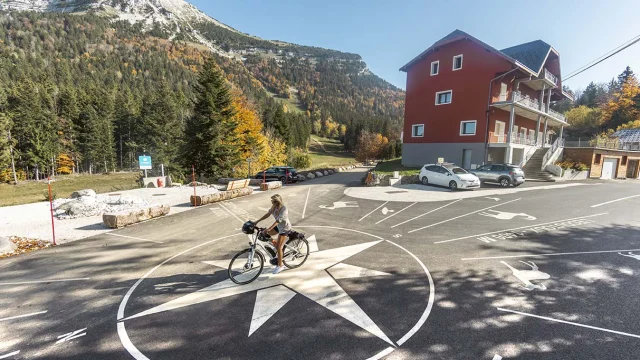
(458, 171)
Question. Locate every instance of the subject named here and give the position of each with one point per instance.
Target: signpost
(53, 228)
(440, 160)
(145, 163)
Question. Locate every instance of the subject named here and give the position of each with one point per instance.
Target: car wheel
(425, 181)
(453, 185)
(504, 182)
(283, 180)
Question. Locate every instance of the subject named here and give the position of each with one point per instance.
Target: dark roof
(628, 135)
(454, 36)
(531, 54)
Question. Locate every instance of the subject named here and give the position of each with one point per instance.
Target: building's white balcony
(516, 138)
(529, 108)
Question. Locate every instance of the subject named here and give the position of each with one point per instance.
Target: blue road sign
(145, 162)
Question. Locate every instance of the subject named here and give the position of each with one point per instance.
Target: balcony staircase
(532, 169)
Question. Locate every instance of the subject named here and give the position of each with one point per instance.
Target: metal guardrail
(549, 76)
(556, 144)
(535, 105)
(611, 144)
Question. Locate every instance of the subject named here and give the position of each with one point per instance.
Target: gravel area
(33, 221)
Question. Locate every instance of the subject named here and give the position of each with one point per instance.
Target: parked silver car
(503, 174)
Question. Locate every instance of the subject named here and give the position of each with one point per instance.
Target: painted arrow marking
(497, 357)
(72, 335)
(10, 354)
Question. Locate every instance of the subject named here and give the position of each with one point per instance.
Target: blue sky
(390, 33)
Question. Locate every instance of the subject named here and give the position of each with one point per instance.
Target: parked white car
(448, 175)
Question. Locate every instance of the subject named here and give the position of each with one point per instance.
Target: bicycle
(247, 265)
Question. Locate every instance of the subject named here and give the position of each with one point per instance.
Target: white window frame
(504, 127)
(413, 133)
(465, 122)
(431, 69)
(453, 67)
(442, 92)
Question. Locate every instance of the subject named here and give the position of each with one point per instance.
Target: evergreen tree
(210, 139)
(588, 97)
(5, 127)
(625, 76)
(281, 125)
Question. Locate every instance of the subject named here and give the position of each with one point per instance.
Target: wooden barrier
(237, 184)
(271, 185)
(219, 196)
(129, 217)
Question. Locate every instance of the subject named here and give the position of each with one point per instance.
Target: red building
(470, 103)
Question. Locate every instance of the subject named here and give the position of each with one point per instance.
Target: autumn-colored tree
(64, 164)
(623, 108)
(369, 146)
(584, 121)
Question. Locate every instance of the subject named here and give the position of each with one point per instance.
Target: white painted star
(311, 280)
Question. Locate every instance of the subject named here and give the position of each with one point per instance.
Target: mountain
(117, 59)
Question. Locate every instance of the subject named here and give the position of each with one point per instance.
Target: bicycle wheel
(296, 252)
(242, 271)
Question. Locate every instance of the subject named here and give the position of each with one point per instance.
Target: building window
(457, 62)
(417, 131)
(444, 97)
(468, 128)
(435, 67)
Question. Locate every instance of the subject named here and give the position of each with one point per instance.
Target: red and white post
(193, 176)
(53, 228)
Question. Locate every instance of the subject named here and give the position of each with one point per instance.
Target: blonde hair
(278, 198)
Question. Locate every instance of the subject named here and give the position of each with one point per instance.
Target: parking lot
(542, 271)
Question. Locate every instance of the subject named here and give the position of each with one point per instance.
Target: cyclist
(282, 224)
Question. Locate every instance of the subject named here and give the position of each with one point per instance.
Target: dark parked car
(286, 174)
(503, 174)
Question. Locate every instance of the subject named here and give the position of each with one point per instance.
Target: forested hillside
(92, 94)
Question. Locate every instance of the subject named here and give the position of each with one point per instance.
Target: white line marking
(313, 243)
(396, 213)
(497, 357)
(461, 216)
(373, 211)
(432, 295)
(229, 211)
(382, 353)
(72, 335)
(122, 332)
(135, 238)
(518, 228)
(23, 316)
(570, 323)
(612, 201)
(305, 203)
(427, 213)
(10, 354)
(543, 255)
(42, 281)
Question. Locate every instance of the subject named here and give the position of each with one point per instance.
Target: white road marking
(10, 354)
(497, 357)
(346, 271)
(493, 198)
(527, 275)
(340, 205)
(543, 255)
(432, 295)
(122, 332)
(612, 201)
(570, 323)
(427, 213)
(135, 238)
(313, 243)
(396, 213)
(229, 211)
(23, 316)
(305, 203)
(72, 335)
(268, 302)
(504, 215)
(373, 211)
(631, 255)
(42, 281)
(382, 354)
(518, 228)
(461, 216)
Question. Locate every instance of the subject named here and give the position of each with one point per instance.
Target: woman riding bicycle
(283, 225)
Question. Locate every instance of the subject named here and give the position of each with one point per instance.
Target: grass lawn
(328, 153)
(30, 192)
(389, 166)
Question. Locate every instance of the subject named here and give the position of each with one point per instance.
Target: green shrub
(299, 160)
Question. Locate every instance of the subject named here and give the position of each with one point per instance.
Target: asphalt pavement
(550, 272)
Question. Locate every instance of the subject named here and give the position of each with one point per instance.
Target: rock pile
(85, 203)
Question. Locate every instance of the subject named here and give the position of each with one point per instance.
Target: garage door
(609, 168)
